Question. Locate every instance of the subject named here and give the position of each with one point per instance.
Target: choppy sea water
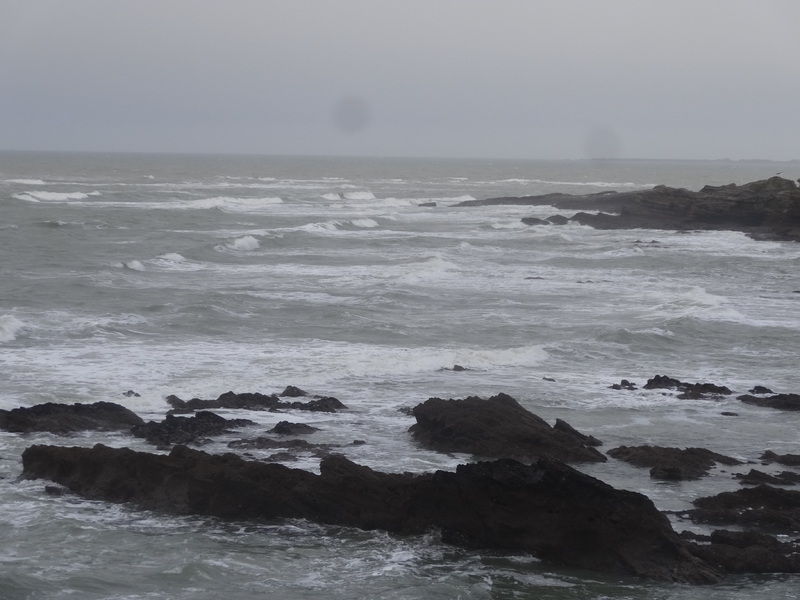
(195, 275)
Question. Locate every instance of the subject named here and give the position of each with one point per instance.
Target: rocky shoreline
(766, 209)
(518, 495)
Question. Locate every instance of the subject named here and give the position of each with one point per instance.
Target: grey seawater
(194, 275)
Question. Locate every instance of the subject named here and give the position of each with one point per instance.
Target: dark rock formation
(623, 385)
(789, 460)
(760, 389)
(586, 440)
(756, 477)
(257, 401)
(548, 509)
(768, 208)
(778, 401)
(762, 506)
(68, 418)
(495, 428)
(748, 552)
(287, 428)
(673, 464)
(689, 391)
(186, 430)
(292, 391)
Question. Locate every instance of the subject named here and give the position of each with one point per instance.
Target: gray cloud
(453, 77)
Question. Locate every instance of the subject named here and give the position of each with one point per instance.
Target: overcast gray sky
(507, 78)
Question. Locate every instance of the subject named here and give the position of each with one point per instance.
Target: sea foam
(9, 326)
(38, 196)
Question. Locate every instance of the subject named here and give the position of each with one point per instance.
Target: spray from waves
(54, 196)
(9, 326)
(358, 196)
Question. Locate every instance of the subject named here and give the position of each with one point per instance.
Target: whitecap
(9, 326)
(331, 196)
(173, 257)
(39, 196)
(26, 181)
(358, 196)
(366, 223)
(244, 244)
(134, 265)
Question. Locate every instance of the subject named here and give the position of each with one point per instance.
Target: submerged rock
(496, 428)
(68, 418)
(673, 464)
(547, 509)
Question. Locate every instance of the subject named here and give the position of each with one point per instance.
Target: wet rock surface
(496, 428)
(777, 401)
(187, 430)
(672, 464)
(763, 506)
(548, 509)
(68, 418)
(258, 401)
(768, 209)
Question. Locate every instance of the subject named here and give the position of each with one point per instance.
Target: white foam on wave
(243, 244)
(331, 196)
(27, 181)
(227, 203)
(365, 223)
(697, 303)
(134, 265)
(9, 326)
(173, 257)
(358, 196)
(515, 224)
(41, 196)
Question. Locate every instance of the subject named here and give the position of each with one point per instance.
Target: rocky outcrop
(789, 460)
(547, 509)
(257, 401)
(496, 428)
(689, 391)
(778, 401)
(68, 418)
(672, 464)
(748, 552)
(756, 477)
(761, 506)
(768, 208)
(187, 430)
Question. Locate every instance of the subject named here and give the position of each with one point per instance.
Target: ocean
(360, 278)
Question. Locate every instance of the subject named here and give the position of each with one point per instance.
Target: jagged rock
(762, 506)
(547, 509)
(673, 464)
(287, 428)
(760, 389)
(748, 552)
(257, 401)
(586, 440)
(623, 385)
(495, 428)
(768, 208)
(789, 460)
(690, 391)
(68, 418)
(558, 220)
(186, 430)
(778, 401)
(535, 221)
(292, 391)
(756, 477)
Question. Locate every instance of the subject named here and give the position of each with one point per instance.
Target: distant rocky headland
(766, 209)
